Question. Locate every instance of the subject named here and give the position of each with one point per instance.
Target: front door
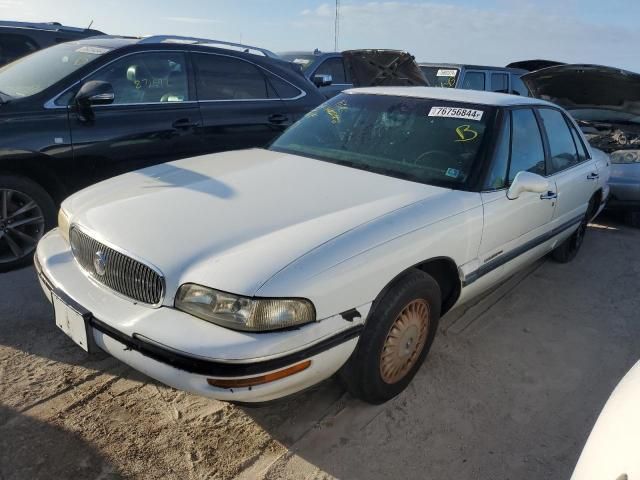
(514, 227)
(152, 119)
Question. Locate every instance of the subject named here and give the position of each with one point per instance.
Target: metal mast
(336, 27)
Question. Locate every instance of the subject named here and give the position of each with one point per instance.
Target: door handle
(593, 176)
(278, 118)
(185, 123)
(549, 195)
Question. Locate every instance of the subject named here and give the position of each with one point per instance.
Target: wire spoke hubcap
(405, 341)
(21, 225)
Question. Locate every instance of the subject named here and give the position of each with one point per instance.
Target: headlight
(63, 224)
(625, 156)
(242, 313)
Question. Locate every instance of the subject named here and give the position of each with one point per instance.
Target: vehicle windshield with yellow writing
(423, 140)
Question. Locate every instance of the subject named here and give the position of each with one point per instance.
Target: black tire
(363, 374)
(20, 232)
(567, 250)
(633, 219)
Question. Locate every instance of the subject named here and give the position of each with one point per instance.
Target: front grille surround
(123, 274)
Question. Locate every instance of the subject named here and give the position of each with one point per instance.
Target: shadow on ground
(31, 449)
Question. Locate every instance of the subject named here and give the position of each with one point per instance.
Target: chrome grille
(121, 273)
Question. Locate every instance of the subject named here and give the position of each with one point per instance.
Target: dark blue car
(325, 69)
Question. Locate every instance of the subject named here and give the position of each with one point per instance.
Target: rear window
(474, 81)
(428, 141)
(440, 76)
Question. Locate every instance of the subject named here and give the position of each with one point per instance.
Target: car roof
(472, 67)
(453, 95)
(47, 26)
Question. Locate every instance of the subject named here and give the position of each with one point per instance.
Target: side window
(561, 145)
(335, 68)
(582, 150)
(497, 177)
(149, 77)
(527, 152)
(283, 89)
(473, 81)
(500, 82)
(15, 46)
(518, 87)
(219, 77)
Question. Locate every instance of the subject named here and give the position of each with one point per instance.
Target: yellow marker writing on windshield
(466, 133)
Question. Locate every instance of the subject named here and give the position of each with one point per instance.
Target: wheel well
(35, 169)
(445, 272)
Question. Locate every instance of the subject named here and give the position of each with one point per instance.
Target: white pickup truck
(250, 275)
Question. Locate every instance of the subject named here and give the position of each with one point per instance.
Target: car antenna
(90, 23)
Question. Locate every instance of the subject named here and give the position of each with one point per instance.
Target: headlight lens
(63, 224)
(242, 313)
(625, 156)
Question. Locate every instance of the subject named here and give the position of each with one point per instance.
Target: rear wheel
(26, 213)
(396, 339)
(568, 249)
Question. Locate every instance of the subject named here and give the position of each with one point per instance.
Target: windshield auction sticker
(451, 112)
(446, 72)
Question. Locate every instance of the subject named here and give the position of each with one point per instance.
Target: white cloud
(454, 33)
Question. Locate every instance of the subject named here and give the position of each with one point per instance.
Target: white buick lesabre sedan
(250, 275)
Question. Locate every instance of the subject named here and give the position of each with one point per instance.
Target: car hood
(587, 87)
(233, 220)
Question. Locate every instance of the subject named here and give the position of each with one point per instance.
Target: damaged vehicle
(605, 102)
(253, 274)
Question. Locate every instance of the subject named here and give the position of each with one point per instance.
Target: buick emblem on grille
(100, 263)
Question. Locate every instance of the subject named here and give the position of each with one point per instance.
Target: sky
(491, 32)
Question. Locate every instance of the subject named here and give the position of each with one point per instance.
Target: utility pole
(336, 27)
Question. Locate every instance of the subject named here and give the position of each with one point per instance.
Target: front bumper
(183, 351)
(625, 187)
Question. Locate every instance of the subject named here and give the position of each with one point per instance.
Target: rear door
(239, 106)
(574, 173)
(152, 119)
(512, 227)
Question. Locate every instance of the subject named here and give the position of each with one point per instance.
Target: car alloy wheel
(22, 225)
(405, 341)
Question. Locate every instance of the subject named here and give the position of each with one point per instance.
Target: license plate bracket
(73, 320)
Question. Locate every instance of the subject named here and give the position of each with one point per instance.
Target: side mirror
(527, 182)
(95, 92)
(322, 80)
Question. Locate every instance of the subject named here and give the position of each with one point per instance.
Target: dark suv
(325, 69)
(18, 39)
(475, 77)
(82, 111)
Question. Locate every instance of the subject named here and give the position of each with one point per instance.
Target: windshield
(36, 72)
(303, 60)
(428, 141)
(440, 77)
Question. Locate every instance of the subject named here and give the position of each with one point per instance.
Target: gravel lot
(510, 390)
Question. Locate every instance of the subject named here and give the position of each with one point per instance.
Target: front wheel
(395, 341)
(26, 213)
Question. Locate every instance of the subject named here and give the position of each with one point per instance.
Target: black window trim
(260, 67)
(51, 104)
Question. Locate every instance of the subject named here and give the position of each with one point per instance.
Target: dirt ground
(510, 390)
